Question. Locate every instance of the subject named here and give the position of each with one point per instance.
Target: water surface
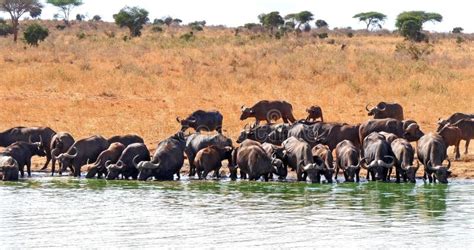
(66, 212)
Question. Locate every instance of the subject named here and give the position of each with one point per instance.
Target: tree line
(408, 23)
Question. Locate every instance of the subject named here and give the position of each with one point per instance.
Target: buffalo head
(186, 123)
(246, 113)
(376, 109)
(279, 168)
(413, 132)
(314, 170)
(114, 170)
(410, 172)
(379, 168)
(66, 158)
(441, 172)
(441, 123)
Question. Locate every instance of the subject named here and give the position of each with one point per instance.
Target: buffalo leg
(265, 177)
(397, 174)
(48, 159)
(28, 167)
(357, 176)
(467, 146)
(456, 151)
(22, 171)
(53, 166)
(336, 172)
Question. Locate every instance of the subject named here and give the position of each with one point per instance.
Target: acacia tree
(65, 7)
(132, 18)
(272, 20)
(301, 18)
(372, 18)
(410, 23)
(16, 8)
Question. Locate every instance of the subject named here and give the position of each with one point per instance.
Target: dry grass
(103, 85)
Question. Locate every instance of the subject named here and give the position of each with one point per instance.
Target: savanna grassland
(101, 84)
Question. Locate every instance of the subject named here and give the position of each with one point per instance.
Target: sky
(233, 13)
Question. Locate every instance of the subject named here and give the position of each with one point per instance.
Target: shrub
(35, 33)
(350, 34)
(81, 35)
(187, 37)
(459, 39)
(132, 18)
(96, 18)
(5, 29)
(415, 51)
(157, 28)
(457, 30)
(60, 27)
(323, 35)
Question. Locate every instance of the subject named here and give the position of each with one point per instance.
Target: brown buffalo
(453, 119)
(314, 112)
(126, 139)
(108, 156)
(452, 137)
(269, 111)
(331, 134)
(376, 152)
(467, 131)
(60, 143)
(210, 159)
(324, 153)
(431, 151)
(386, 110)
(9, 167)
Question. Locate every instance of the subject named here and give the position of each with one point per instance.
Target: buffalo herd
(311, 147)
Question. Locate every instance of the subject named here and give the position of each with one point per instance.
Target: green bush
(157, 28)
(35, 33)
(5, 29)
(81, 35)
(323, 35)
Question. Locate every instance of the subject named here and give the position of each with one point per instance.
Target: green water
(66, 212)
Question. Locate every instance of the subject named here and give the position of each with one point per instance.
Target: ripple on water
(63, 212)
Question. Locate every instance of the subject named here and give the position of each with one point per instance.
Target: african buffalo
(431, 152)
(453, 119)
(256, 132)
(376, 151)
(125, 165)
(196, 142)
(27, 134)
(106, 157)
(269, 111)
(409, 129)
(277, 152)
(386, 110)
(324, 153)
(299, 157)
(467, 131)
(9, 167)
(331, 134)
(22, 152)
(210, 159)
(314, 112)
(347, 159)
(126, 139)
(81, 152)
(202, 120)
(254, 162)
(404, 155)
(452, 137)
(60, 143)
(167, 160)
(389, 137)
(233, 166)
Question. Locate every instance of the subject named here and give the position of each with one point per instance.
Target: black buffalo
(432, 151)
(404, 155)
(22, 153)
(167, 160)
(82, 152)
(202, 120)
(378, 157)
(386, 110)
(126, 139)
(27, 134)
(347, 159)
